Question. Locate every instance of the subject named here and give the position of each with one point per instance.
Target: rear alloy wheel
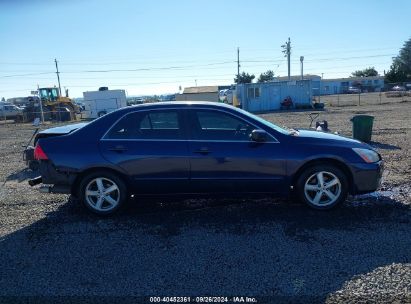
(322, 187)
(103, 192)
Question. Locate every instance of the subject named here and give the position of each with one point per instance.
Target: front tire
(322, 187)
(103, 193)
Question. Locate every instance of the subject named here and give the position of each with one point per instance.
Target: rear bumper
(51, 175)
(54, 180)
(367, 177)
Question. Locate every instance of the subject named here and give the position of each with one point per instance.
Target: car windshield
(267, 123)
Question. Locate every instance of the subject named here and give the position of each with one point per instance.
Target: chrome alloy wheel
(102, 194)
(322, 188)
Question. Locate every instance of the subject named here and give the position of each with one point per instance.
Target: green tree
(371, 71)
(400, 70)
(267, 76)
(244, 78)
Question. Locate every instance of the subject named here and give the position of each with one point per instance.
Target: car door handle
(118, 149)
(203, 150)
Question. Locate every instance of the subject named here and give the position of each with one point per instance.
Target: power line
(31, 74)
(205, 66)
(152, 69)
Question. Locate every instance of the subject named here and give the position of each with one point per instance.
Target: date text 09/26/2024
(205, 299)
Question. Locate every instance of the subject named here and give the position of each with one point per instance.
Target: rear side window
(148, 125)
(160, 121)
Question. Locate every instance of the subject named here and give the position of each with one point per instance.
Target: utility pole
(238, 64)
(287, 52)
(58, 76)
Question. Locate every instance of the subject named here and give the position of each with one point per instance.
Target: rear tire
(322, 187)
(103, 192)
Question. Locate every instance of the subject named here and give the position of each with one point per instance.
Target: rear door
(224, 159)
(151, 146)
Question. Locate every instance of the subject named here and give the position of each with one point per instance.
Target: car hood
(64, 129)
(327, 136)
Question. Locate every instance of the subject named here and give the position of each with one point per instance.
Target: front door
(151, 147)
(223, 158)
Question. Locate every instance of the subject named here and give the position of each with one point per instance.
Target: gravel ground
(272, 250)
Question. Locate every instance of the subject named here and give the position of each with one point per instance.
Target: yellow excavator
(56, 106)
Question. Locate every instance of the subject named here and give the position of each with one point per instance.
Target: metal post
(238, 64)
(41, 105)
(319, 94)
(302, 67)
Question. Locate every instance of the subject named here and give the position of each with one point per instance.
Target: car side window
(160, 120)
(159, 125)
(216, 125)
(148, 125)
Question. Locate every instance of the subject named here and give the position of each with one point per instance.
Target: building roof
(356, 78)
(202, 89)
(294, 78)
(316, 77)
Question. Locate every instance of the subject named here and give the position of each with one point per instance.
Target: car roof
(174, 104)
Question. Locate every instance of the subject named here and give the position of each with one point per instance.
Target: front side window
(147, 125)
(216, 125)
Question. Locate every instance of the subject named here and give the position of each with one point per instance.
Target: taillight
(39, 153)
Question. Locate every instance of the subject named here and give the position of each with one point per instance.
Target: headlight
(369, 156)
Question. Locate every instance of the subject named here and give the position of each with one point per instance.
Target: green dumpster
(362, 127)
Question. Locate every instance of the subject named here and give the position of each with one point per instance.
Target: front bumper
(367, 177)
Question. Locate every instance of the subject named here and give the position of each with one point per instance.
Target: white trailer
(99, 103)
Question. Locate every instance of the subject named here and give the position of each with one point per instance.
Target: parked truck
(103, 101)
(10, 111)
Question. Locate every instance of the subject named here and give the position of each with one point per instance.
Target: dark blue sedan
(201, 148)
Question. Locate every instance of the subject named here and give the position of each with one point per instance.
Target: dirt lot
(270, 249)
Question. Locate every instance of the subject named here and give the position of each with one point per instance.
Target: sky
(159, 46)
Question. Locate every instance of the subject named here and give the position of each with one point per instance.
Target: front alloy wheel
(322, 189)
(322, 186)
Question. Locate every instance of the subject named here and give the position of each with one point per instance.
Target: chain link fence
(51, 117)
(391, 93)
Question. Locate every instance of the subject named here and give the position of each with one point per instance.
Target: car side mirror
(259, 136)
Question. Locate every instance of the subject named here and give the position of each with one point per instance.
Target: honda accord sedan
(197, 149)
